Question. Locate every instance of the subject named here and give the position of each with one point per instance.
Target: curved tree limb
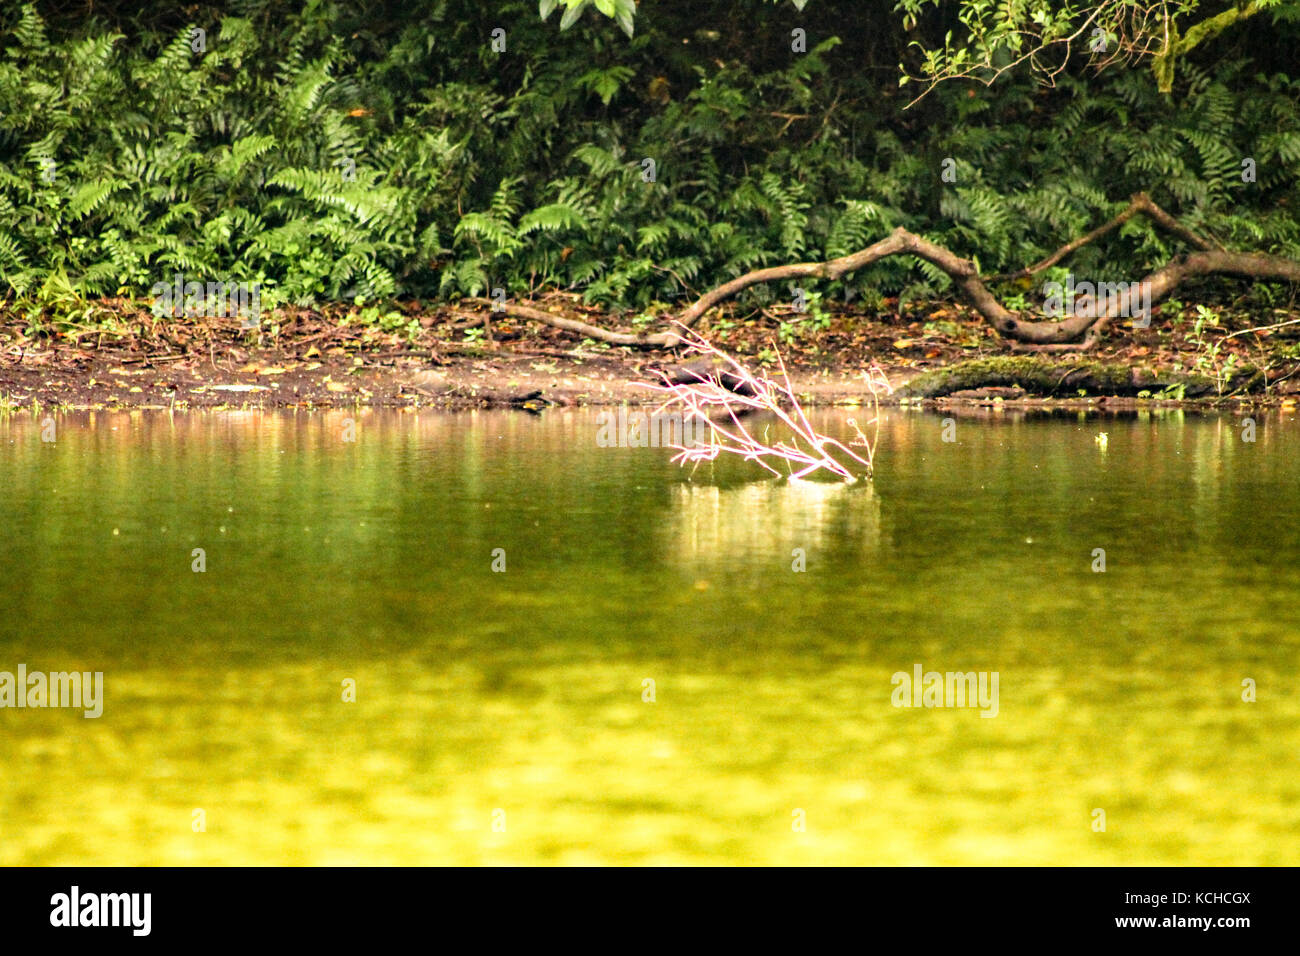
(665, 340)
(1177, 47)
(1140, 203)
(832, 269)
(1082, 327)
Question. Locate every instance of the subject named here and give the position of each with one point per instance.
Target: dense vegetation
(333, 150)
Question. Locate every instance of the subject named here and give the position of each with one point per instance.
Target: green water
(501, 717)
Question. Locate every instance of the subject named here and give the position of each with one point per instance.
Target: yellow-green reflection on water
(522, 691)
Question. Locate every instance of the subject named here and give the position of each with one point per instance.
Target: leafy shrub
(326, 152)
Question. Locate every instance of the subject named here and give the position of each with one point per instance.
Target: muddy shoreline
(449, 359)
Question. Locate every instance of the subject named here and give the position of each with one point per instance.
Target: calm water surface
(500, 717)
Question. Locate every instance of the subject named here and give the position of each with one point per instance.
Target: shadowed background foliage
(126, 155)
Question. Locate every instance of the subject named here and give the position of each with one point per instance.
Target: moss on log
(1039, 376)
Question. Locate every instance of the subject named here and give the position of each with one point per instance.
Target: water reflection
(522, 690)
(709, 524)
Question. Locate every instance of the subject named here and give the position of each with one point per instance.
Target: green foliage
(326, 152)
(123, 167)
(622, 12)
(993, 38)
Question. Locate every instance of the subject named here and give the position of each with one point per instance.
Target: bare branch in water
(721, 400)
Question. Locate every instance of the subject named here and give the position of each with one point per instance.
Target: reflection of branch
(745, 392)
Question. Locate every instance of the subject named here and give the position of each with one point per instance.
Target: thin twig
(806, 450)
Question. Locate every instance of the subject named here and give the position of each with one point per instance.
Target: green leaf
(88, 196)
(545, 7)
(625, 15)
(551, 218)
(572, 13)
(606, 7)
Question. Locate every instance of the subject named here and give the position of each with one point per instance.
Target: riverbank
(459, 358)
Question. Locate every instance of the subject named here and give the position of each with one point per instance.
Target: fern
(330, 153)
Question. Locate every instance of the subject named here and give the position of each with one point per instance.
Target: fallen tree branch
(1042, 377)
(1262, 328)
(1140, 203)
(719, 402)
(1082, 327)
(657, 340)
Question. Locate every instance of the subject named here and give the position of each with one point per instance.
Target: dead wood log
(637, 340)
(1081, 328)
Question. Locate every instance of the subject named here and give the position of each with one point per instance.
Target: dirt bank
(448, 358)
